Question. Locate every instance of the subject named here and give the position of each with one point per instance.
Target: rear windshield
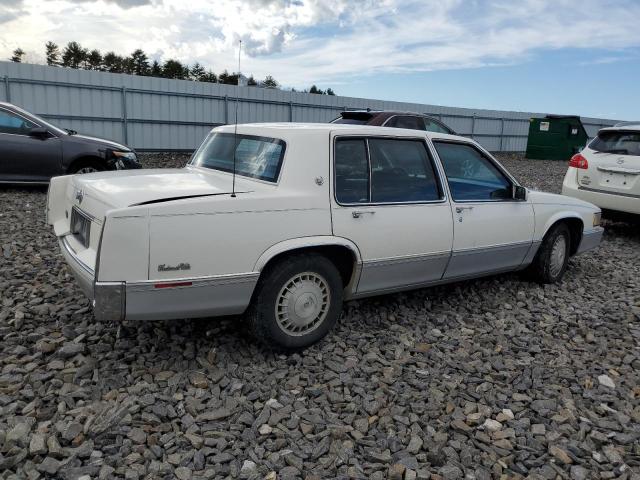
(255, 157)
(350, 121)
(354, 118)
(622, 143)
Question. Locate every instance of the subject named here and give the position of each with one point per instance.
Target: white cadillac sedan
(319, 214)
(607, 171)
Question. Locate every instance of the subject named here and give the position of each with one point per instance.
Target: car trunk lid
(96, 193)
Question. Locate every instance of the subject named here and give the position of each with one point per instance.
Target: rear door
(613, 163)
(388, 198)
(24, 157)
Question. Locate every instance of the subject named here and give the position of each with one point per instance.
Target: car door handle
(460, 209)
(359, 213)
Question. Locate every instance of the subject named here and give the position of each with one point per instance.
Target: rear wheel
(552, 257)
(86, 166)
(297, 302)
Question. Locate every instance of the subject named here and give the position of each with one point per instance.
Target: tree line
(139, 63)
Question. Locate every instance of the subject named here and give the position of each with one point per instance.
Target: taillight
(578, 161)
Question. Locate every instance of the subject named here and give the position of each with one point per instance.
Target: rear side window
(255, 157)
(352, 171)
(381, 170)
(14, 124)
(471, 175)
(433, 126)
(622, 143)
(406, 121)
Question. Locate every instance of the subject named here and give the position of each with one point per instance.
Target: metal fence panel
(161, 114)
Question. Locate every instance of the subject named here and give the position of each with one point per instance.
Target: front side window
(255, 157)
(621, 143)
(382, 170)
(14, 124)
(471, 175)
(406, 121)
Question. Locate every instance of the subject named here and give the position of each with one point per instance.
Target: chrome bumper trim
(607, 192)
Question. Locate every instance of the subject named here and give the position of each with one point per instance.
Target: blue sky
(566, 81)
(549, 56)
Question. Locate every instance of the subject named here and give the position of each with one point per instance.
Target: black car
(386, 118)
(33, 150)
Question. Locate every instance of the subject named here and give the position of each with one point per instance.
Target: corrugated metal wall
(159, 114)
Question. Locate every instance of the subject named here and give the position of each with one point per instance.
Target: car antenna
(235, 128)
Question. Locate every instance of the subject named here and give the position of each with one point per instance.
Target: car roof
(623, 126)
(284, 128)
(387, 112)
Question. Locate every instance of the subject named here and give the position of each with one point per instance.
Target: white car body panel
(175, 243)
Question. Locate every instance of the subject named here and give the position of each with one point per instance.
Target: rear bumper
(590, 239)
(108, 298)
(621, 202)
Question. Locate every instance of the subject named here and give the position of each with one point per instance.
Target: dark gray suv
(32, 150)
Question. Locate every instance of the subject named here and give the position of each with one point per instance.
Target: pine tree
(330, 92)
(74, 55)
(269, 82)
(173, 69)
(156, 69)
(209, 77)
(112, 62)
(17, 56)
(52, 54)
(197, 72)
(251, 82)
(94, 60)
(140, 62)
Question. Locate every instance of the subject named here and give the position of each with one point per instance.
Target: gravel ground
(494, 378)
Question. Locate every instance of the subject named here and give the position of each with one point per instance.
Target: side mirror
(38, 132)
(519, 193)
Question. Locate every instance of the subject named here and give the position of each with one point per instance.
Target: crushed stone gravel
(491, 378)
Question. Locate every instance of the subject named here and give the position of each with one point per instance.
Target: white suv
(607, 172)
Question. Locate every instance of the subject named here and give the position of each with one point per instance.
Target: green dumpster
(555, 137)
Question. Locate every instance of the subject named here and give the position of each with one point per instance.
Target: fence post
(226, 109)
(125, 129)
(291, 111)
(501, 133)
(473, 125)
(7, 91)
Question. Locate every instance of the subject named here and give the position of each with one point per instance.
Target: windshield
(620, 142)
(255, 157)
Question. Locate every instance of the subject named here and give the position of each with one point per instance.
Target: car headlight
(128, 155)
(596, 219)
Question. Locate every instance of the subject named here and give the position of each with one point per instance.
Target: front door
(492, 231)
(24, 157)
(389, 200)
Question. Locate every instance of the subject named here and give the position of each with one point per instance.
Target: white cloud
(303, 41)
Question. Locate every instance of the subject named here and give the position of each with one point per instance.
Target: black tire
(77, 167)
(542, 269)
(269, 328)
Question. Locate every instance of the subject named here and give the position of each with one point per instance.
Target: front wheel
(88, 166)
(297, 302)
(552, 257)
